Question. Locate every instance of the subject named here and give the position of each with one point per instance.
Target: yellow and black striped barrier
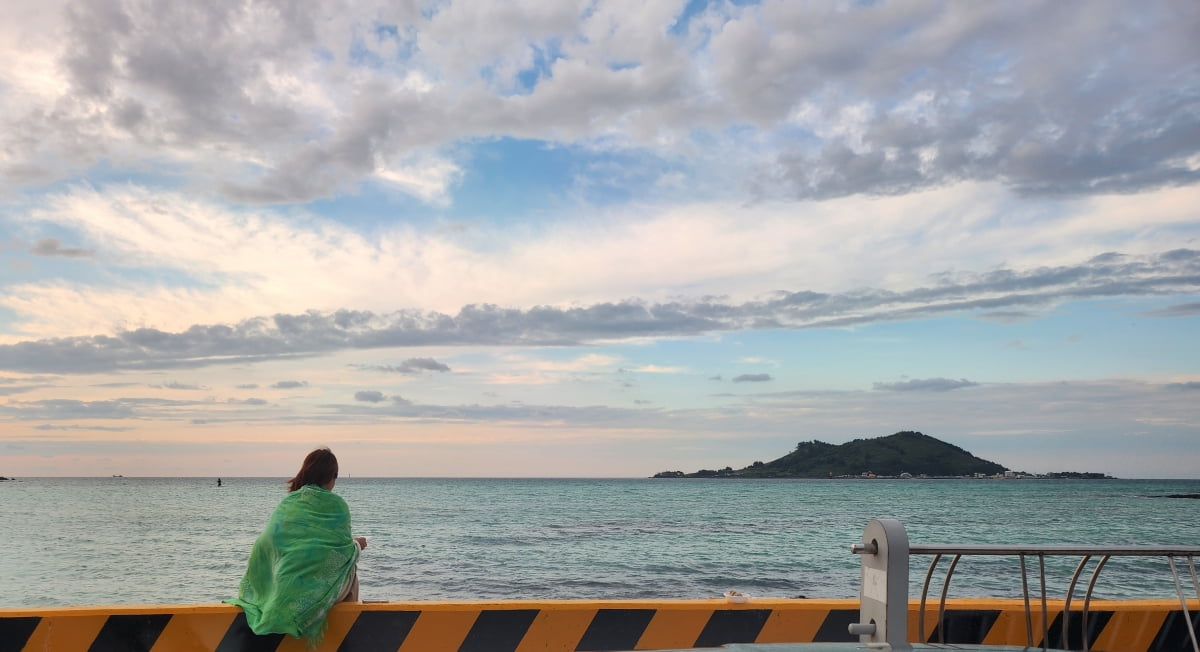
(578, 625)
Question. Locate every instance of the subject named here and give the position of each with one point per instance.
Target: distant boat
(118, 475)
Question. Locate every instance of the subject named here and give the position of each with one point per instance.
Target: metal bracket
(883, 598)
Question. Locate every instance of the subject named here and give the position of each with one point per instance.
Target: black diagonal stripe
(969, 626)
(1096, 622)
(129, 633)
(1173, 635)
(381, 631)
(615, 629)
(732, 626)
(498, 630)
(14, 632)
(835, 629)
(240, 638)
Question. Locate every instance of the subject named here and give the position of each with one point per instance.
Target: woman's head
(319, 468)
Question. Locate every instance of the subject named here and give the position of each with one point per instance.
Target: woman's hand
(362, 542)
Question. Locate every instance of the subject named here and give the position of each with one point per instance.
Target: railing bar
(1087, 600)
(1195, 581)
(1045, 614)
(1187, 618)
(924, 594)
(1066, 615)
(1028, 614)
(942, 602)
(1073, 551)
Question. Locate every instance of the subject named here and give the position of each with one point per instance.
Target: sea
(124, 540)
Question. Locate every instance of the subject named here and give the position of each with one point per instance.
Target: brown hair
(319, 468)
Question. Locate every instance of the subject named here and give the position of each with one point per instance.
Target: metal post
(883, 599)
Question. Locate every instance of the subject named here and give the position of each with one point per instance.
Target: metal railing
(885, 552)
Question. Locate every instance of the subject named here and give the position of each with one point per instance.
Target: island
(905, 454)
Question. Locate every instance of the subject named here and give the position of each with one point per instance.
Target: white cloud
(589, 362)
(176, 261)
(659, 369)
(428, 179)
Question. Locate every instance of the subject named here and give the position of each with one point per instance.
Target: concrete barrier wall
(577, 625)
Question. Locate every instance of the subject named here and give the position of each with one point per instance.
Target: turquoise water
(183, 540)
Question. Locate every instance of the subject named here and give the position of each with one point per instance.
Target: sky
(598, 238)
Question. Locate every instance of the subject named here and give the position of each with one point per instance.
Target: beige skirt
(350, 593)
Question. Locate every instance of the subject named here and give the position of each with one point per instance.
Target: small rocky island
(905, 454)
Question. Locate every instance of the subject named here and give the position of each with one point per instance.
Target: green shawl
(299, 566)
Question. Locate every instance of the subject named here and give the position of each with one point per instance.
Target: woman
(304, 561)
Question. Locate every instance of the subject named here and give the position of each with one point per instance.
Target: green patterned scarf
(299, 566)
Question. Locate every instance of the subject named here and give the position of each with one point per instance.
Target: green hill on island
(906, 452)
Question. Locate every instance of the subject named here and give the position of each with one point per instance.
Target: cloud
(285, 336)
(410, 366)
(9, 390)
(51, 247)
(926, 385)
(290, 384)
(49, 427)
(176, 385)
(591, 415)
(656, 369)
(327, 96)
(1007, 316)
(71, 409)
(584, 364)
(1177, 310)
(1188, 386)
(175, 261)
(955, 114)
(369, 396)
(752, 378)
